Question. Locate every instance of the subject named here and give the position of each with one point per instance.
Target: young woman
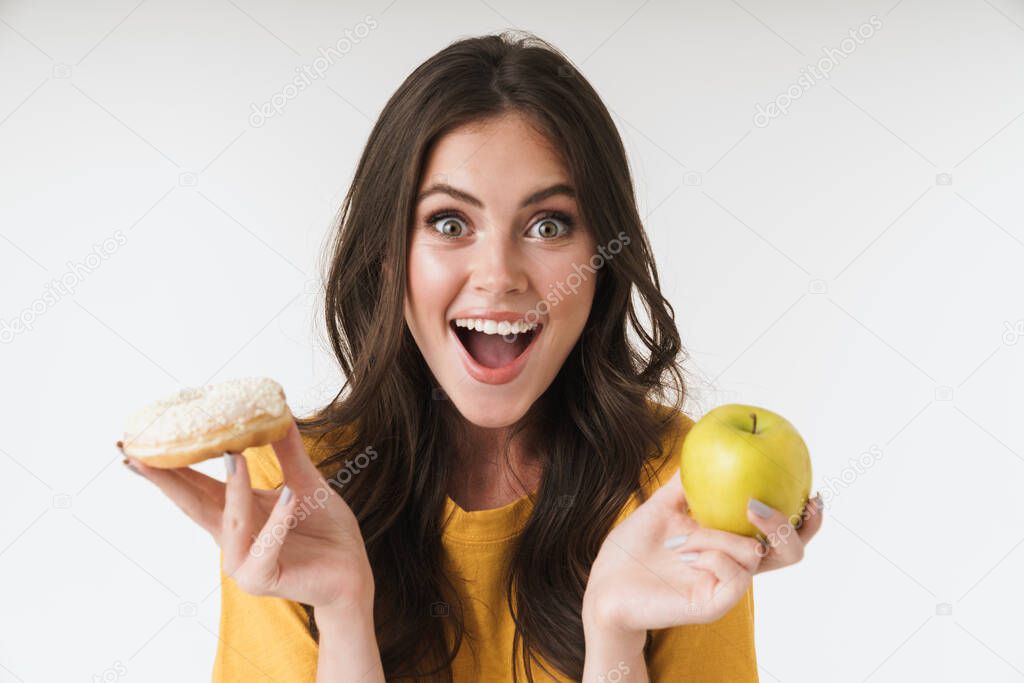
(494, 494)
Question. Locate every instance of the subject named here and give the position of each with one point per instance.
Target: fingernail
(819, 502)
(229, 463)
(286, 495)
(688, 557)
(760, 509)
(676, 541)
(131, 467)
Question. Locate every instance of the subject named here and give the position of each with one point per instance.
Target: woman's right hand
(302, 543)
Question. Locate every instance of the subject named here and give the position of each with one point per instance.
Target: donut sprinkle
(195, 411)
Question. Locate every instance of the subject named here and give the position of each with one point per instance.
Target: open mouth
(495, 350)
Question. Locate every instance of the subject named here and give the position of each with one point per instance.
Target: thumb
(298, 470)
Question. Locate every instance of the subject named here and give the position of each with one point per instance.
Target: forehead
(498, 153)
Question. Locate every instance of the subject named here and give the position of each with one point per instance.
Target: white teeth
(494, 327)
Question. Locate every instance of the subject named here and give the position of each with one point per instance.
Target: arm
(612, 655)
(280, 550)
(719, 652)
(659, 570)
(348, 647)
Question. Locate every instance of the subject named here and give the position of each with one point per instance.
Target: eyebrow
(445, 188)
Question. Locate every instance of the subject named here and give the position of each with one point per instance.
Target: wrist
(355, 602)
(347, 647)
(614, 642)
(345, 616)
(603, 629)
(611, 650)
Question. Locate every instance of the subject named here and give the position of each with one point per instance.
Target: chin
(491, 413)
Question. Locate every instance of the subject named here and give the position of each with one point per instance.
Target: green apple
(738, 452)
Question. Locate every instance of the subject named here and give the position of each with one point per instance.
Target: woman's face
(497, 244)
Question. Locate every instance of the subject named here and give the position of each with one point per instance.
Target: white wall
(818, 266)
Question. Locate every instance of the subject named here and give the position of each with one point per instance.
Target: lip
(486, 375)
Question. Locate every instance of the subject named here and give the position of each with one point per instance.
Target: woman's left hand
(785, 539)
(647, 577)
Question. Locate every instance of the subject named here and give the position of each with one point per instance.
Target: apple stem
(753, 416)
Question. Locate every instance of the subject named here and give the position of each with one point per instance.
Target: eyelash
(451, 213)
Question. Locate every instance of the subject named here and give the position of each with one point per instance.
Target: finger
(205, 484)
(732, 581)
(300, 474)
(262, 570)
(780, 535)
(238, 524)
(715, 561)
(200, 500)
(812, 518)
(742, 549)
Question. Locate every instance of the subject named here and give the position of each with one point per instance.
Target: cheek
(430, 284)
(569, 286)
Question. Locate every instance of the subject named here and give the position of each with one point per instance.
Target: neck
(485, 476)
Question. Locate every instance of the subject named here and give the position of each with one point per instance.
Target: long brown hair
(595, 428)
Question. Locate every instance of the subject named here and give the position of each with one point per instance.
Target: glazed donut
(197, 424)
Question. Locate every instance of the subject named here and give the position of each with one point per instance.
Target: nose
(497, 265)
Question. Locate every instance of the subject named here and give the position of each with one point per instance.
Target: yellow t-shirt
(266, 639)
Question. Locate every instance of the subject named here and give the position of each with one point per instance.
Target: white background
(818, 266)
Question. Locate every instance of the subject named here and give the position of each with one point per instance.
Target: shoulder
(665, 464)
